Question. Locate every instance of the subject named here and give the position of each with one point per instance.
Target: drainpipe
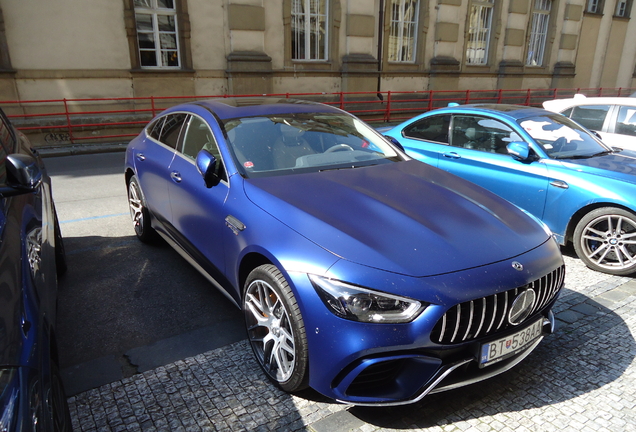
(380, 39)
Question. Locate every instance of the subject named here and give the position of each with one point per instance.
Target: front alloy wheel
(275, 328)
(605, 240)
(138, 212)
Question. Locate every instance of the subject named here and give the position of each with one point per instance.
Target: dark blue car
(584, 190)
(369, 276)
(31, 256)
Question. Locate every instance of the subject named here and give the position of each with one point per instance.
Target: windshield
(561, 138)
(291, 143)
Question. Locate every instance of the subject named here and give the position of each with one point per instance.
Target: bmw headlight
(365, 305)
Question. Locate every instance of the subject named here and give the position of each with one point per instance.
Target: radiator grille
(485, 316)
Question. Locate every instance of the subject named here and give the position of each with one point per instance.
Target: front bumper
(396, 364)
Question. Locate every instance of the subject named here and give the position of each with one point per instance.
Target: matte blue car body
(593, 183)
(357, 225)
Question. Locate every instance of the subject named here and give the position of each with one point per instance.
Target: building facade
(138, 48)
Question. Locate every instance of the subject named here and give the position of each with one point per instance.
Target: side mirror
(206, 165)
(23, 175)
(394, 141)
(519, 150)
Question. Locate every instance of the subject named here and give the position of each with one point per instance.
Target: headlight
(365, 305)
(8, 397)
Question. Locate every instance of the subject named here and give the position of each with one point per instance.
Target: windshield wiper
(603, 153)
(345, 167)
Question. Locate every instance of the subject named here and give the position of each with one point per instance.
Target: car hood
(407, 217)
(621, 166)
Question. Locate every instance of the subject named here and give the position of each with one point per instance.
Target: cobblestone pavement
(582, 378)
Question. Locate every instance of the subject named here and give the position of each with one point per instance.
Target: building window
(480, 24)
(623, 8)
(594, 6)
(309, 29)
(157, 32)
(402, 38)
(538, 32)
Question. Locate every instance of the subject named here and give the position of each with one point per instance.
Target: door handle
(451, 155)
(140, 157)
(175, 176)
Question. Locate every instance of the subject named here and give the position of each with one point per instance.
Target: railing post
(600, 91)
(619, 91)
(152, 105)
(342, 100)
(527, 98)
(467, 101)
(68, 122)
(387, 116)
(430, 100)
(499, 94)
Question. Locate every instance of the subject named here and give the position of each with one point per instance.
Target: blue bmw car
(371, 277)
(546, 164)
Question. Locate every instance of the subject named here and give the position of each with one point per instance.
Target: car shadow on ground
(138, 305)
(591, 352)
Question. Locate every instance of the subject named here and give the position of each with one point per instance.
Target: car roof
(513, 111)
(229, 108)
(584, 100)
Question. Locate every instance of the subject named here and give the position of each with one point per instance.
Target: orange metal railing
(78, 120)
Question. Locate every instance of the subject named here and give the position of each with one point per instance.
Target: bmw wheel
(275, 328)
(139, 212)
(605, 240)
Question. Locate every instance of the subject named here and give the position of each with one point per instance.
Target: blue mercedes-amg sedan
(371, 277)
(584, 190)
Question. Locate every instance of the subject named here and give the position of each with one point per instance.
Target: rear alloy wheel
(57, 404)
(275, 328)
(605, 240)
(139, 213)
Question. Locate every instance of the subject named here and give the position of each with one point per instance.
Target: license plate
(499, 349)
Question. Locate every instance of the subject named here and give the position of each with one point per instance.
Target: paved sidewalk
(582, 378)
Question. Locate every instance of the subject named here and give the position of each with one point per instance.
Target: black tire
(60, 252)
(275, 328)
(57, 404)
(605, 240)
(139, 212)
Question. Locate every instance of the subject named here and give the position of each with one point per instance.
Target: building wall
(71, 49)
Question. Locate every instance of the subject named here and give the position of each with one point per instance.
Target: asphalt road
(124, 306)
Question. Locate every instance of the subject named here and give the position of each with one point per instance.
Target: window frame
(307, 15)
(183, 38)
(400, 24)
(595, 7)
(539, 38)
(155, 11)
(480, 6)
(627, 10)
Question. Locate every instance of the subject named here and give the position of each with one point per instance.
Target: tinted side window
(172, 129)
(482, 133)
(197, 137)
(626, 122)
(430, 129)
(154, 128)
(590, 116)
